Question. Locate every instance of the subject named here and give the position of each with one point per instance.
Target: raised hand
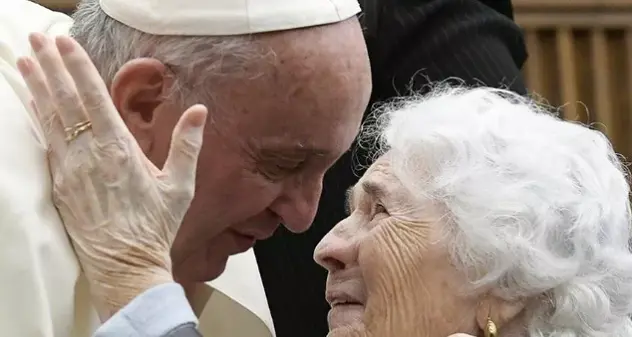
(121, 212)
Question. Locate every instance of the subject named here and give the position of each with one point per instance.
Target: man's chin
(196, 270)
(209, 262)
(210, 273)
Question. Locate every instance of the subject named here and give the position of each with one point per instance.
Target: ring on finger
(72, 132)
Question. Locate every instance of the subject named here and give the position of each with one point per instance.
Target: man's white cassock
(42, 291)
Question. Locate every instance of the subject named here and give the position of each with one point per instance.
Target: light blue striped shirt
(154, 313)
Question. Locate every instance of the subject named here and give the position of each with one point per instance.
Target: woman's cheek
(390, 258)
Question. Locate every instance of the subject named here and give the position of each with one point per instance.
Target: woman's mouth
(345, 314)
(346, 309)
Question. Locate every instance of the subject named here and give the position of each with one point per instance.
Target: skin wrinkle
(330, 86)
(406, 274)
(383, 294)
(129, 247)
(400, 268)
(141, 259)
(311, 98)
(522, 251)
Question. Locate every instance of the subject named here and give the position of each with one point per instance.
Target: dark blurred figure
(411, 43)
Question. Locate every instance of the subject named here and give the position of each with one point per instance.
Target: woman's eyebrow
(374, 189)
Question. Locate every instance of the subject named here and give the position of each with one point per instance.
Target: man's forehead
(293, 148)
(290, 145)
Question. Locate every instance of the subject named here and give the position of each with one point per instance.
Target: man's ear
(138, 90)
(500, 311)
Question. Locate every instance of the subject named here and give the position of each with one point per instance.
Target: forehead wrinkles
(379, 179)
(289, 147)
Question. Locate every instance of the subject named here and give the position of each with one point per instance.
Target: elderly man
(285, 102)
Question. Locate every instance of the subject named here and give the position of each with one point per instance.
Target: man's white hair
(535, 207)
(196, 61)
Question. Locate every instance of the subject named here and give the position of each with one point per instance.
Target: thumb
(186, 143)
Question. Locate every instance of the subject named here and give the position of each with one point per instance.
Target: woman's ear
(501, 312)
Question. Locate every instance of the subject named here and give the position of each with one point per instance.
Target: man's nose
(334, 252)
(298, 205)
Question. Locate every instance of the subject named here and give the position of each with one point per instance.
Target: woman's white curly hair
(535, 207)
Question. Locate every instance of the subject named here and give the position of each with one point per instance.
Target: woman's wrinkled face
(389, 273)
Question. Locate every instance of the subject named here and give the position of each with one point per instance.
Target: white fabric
(227, 17)
(42, 292)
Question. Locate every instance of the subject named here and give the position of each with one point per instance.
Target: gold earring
(490, 328)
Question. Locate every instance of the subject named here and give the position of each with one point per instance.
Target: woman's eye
(379, 209)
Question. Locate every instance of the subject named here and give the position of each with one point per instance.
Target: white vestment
(42, 291)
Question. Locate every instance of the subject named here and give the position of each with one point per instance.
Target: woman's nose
(335, 252)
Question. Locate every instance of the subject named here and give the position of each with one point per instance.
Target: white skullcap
(226, 17)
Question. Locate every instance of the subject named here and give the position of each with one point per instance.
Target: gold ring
(72, 132)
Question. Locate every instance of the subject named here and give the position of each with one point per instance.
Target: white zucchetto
(226, 17)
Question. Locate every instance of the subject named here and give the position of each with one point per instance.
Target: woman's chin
(354, 330)
(346, 320)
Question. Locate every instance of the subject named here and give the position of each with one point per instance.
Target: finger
(42, 104)
(60, 83)
(186, 143)
(92, 90)
(56, 149)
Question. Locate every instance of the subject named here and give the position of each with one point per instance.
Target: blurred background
(580, 58)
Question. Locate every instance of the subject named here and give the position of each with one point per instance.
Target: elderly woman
(483, 215)
(483, 212)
